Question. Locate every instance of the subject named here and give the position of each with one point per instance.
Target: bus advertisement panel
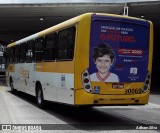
(118, 49)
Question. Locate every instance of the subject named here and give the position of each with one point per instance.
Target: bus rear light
(87, 86)
(85, 74)
(145, 88)
(146, 83)
(148, 76)
(86, 82)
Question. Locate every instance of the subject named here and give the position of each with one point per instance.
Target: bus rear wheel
(39, 97)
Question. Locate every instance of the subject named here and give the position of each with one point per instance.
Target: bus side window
(22, 52)
(39, 49)
(11, 55)
(18, 58)
(16, 53)
(30, 51)
(19, 55)
(62, 45)
(71, 42)
(50, 47)
(7, 55)
(66, 42)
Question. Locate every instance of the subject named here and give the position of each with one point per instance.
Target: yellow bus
(93, 59)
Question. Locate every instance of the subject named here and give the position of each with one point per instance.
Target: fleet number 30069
(133, 91)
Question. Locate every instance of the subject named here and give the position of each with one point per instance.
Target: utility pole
(125, 10)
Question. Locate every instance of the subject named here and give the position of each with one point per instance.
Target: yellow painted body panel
(11, 68)
(106, 88)
(119, 16)
(56, 67)
(150, 48)
(84, 98)
(11, 45)
(82, 49)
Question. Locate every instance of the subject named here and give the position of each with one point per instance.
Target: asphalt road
(20, 108)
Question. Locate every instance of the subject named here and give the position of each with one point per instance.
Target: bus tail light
(146, 83)
(86, 81)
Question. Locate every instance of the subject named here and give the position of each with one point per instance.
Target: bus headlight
(86, 81)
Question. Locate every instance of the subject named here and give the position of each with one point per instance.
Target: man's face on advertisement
(103, 64)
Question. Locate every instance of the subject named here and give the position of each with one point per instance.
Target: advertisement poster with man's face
(119, 49)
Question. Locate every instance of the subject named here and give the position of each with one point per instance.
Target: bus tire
(39, 97)
(11, 85)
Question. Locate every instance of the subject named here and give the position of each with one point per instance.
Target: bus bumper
(84, 98)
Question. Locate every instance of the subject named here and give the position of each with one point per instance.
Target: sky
(68, 1)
